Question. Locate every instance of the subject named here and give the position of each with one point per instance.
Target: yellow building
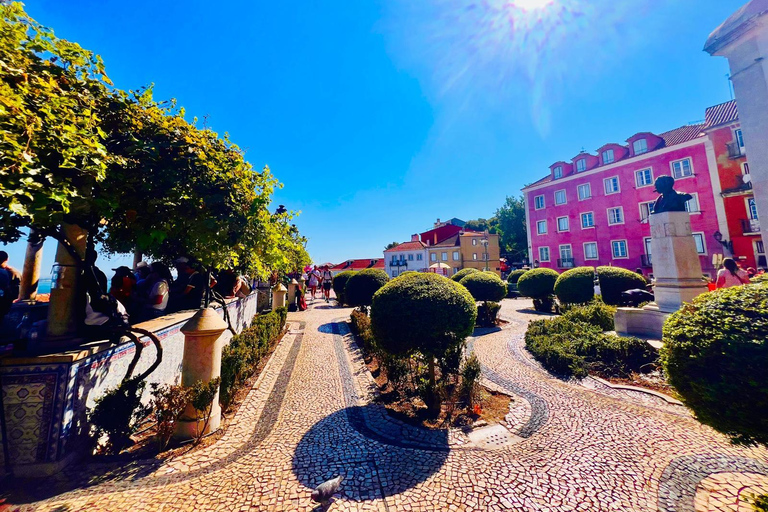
(467, 250)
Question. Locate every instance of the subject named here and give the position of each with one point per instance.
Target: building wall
(468, 249)
(451, 257)
(632, 230)
(410, 258)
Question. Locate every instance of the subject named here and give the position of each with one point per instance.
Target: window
(433, 256)
(402, 257)
(616, 215)
(538, 202)
(699, 239)
(648, 247)
(474, 241)
(560, 197)
(474, 255)
(456, 256)
(745, 168)
(752, 208)
(410, 257)
(541, 227)
(619, 249)
(562, 223)
(590, 251)
(587, 220)
(608, 156)
(418, 257)
(739, 140)
(759, 247)
(692, 205)
(611, 185)
(566, 255)
(581, 164)
(682, 168)
(643, 178)
(394, 258)
(543, 253)
(640, 146)
(444, 256)
(558, 172)
(645, 210)
(585, 191)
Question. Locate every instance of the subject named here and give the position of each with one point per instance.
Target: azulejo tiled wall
(45, 405)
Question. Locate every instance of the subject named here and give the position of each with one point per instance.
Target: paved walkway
(567, 447)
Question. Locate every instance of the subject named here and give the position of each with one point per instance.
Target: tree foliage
(509, 223)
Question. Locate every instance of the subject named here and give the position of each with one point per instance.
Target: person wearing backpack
(10, 282)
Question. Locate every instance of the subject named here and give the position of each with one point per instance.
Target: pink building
(593, 209)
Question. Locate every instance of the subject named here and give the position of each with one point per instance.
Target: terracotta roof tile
(682, 134)
(407, 246)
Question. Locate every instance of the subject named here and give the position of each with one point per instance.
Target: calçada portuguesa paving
(571, 446)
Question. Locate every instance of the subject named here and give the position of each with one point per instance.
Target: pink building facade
(593, 209)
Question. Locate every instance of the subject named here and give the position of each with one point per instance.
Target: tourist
(142, 284)
(228, 284)
(123, 288)
(314, 280)
(731, 275)
(188, 290)
(751, 272)
(105, 316)
(327, 282)
(160, 280)
(10, 282)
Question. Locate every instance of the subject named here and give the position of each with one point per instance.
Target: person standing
(731, 275)
(327, 282)
(10, 283)
(314, 281)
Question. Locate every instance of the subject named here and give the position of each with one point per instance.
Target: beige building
(465, 250)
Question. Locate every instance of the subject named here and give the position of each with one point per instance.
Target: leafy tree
(510, 225)
(391, 245)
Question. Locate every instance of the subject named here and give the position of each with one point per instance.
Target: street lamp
(484, 241)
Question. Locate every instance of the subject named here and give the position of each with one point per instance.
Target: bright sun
(531, 5)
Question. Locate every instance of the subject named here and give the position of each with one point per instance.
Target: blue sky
(381, 116)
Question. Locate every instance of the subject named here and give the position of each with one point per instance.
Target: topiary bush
(595, 313)
(486, 287)
(461, 274)
(614, 280)
(339, 283)
(759, 278)
(576, 286)
(715, 353)
(362, 285)
(539, 284)
(515, 275)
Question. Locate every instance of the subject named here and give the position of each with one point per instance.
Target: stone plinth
(201, 362)
(278, 296)
(676, 265)
(644, 322)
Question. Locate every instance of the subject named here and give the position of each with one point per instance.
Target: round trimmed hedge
(537, 283)
(461, 274)
(338, 284)
(515, 275)
(485, 287)
(362, 285)
(715, 354)
(614, 280)
(576, 286)
(422, 312)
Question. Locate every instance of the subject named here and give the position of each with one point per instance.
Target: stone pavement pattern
(307, 419)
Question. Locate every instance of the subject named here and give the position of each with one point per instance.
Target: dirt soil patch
(653, 381)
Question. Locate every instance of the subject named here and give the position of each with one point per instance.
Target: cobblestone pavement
(569, 446)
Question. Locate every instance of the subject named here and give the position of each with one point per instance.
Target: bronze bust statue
(669, 200)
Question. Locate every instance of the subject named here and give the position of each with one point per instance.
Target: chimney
(437, 224)
(415, 238)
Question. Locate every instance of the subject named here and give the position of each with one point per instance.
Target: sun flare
(531, 5)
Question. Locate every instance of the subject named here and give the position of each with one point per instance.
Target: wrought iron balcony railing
(565, 263)
(750, 226)
(734, 150)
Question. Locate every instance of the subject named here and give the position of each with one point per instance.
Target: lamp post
(484, 241)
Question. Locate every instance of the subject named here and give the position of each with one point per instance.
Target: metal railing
(565, 263)
(749, 226)
(734, 150)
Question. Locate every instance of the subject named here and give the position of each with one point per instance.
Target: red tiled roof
(379, 264)
(407, 246)
(359, 264)
(682, 134)
(451, 241)
(723, 113)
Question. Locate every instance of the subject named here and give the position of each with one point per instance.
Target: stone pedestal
(202, 361)
(278, 296)
(30, 274)
(676, 265)
(291, 296)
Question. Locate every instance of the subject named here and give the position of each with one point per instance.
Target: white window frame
(612, 159)
(443, 256)
(610, 180)
(570, 250)
(698, 206)
(637, 174)
(539, 231)
(703, 242)
(474, 256)
(626, 249)
(433, 256)
(738, 136)
(565, 197)
(758, 245)
(456, 256)
(690, 165)
(751, 208)
(586, 257)
(644, 220)
(581, 219)
(419, 257)
(567, 224)
(581, 165)
(410, 257)
(536, 202)
(621, 209)
(541, 256)
(474, 241)
(557, 172)
(644, 150)
(745, 168)
(588, 188)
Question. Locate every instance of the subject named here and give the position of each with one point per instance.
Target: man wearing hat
(188, 290)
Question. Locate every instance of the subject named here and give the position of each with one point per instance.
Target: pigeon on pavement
(326, 490)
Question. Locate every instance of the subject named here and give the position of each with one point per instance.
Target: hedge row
(339, 283)
(240, 358)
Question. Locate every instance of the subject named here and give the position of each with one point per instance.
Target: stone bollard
(202, 361)
(291, 297)
(278, 296)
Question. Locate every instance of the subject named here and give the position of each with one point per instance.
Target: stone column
(33, 260)
(137, 256)
(676, 265)
(201, 362)
(291, 297)
(278, 296)
(66, 306)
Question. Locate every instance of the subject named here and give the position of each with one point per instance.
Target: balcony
(750, 226)
(645, 260)
(734, 150)
(398, 263)
(565, 263)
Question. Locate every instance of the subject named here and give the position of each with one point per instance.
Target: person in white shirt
(160, 280)
(731, 275)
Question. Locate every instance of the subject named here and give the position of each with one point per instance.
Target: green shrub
(406, 272)
(362, 285)
(339, 283)
(487, 313)
(576, 286)
(539, 284)
(117, 414)
(515, 275)
(759, 503)
(168, 403)
(461, 274)
(554, 353)
(759, 278)
(470, 378)
(201, 396)
(715, 353)
(484, 287)
(283, 314)
(595, 313)
(361, 326)
(614, 280)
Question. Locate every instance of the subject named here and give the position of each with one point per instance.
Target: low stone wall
(46, 398)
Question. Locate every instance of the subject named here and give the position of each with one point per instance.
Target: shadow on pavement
(371, 470)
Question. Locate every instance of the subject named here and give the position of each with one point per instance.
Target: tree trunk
(33, 261)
